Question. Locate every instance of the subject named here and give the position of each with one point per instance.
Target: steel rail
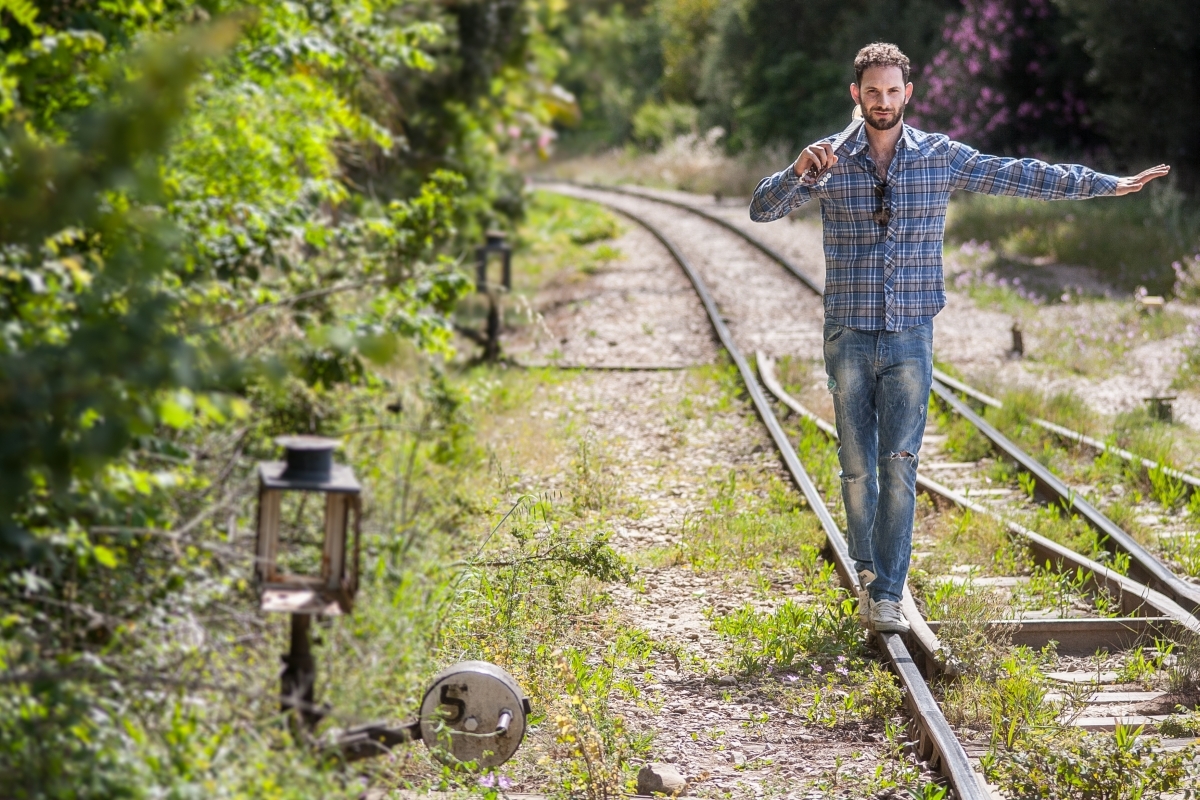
(1147, 566)
(1059, 430)
(1067, 433)
(1142, 562)
(1132, 595)
(937, 740)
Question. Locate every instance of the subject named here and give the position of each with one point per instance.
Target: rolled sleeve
(777, 195)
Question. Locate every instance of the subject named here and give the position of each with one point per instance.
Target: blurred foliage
(1050, 77)
(219, 221)
(778, 71)
(765, 71)
(1143, 59)
(1010, 78)
(1129, 241)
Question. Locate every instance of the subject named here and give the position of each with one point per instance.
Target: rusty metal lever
(373, 738)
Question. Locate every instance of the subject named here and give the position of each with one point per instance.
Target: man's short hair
(880, 54)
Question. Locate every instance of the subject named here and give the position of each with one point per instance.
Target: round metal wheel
(474, 711)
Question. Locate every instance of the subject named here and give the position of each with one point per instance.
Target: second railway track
(751, 308)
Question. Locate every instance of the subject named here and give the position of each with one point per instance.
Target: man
(883, 188)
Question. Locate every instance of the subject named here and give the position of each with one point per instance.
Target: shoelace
(887, 611)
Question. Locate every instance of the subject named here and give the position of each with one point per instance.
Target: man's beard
(895, 120)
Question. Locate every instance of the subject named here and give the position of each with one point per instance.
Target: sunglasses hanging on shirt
(883, 215)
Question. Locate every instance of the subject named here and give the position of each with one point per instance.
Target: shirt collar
(858, 142)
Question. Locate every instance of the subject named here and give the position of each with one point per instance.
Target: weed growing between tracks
(1072, 765)
(1150, 504)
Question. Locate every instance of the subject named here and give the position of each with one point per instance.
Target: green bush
(656, 124)
(1072, 765)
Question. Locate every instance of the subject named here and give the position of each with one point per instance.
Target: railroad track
(1150, 598)
(1143, 564)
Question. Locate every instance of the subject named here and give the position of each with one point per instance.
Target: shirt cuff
(789, 179)
(1106, 185)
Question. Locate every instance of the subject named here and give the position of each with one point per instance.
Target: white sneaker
(886, 616)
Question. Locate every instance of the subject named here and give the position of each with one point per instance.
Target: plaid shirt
(890, 277)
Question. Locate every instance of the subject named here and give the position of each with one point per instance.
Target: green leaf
(105, 556)
(174, 413)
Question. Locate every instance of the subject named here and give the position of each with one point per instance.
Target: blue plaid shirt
(890, 277)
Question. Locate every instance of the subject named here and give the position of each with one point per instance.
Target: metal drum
(474, 711)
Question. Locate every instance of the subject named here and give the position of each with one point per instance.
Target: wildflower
(487, 781)
(817, 668)
(845, 673)
(505, 782)
(789, 678)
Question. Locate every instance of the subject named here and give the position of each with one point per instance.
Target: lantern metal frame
(496, 242)
(308, 467)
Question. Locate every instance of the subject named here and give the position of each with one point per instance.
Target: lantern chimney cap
(308, 465)
(307, 443)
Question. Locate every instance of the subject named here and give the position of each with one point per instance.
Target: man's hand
(814, 161)
(1135, 184)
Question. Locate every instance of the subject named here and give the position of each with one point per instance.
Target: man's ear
(908, 87)
(854, 92)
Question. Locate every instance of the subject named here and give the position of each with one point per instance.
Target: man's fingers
(1135, 183)
(823, 154)
(1152, 173)
(818, 155)
(817, 158)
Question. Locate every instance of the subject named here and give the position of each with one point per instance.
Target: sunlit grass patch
(1007, 702)
(1094, 344)
(749, 526)
(949, 538)
(1129, 241)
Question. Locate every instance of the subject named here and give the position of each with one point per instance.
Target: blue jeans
(880, 385)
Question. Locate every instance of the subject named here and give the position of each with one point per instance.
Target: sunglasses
(884, 215)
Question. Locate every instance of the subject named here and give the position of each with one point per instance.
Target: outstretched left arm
(1136, 182)
(1029, 177)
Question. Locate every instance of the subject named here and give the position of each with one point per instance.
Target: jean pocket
(833, 331)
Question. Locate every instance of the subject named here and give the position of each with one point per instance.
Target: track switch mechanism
(472, 711)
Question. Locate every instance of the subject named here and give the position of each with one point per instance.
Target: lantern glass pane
(301, 535)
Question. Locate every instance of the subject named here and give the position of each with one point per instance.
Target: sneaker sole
(890, 628)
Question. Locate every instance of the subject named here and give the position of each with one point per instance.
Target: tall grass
(1130, 241)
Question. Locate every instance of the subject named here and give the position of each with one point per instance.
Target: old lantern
(293, 576)
(495, 243)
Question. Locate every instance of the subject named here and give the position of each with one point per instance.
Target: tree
(1145, 71)
(778, 71)
(1010, 78)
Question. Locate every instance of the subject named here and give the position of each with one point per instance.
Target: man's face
(882, 95)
